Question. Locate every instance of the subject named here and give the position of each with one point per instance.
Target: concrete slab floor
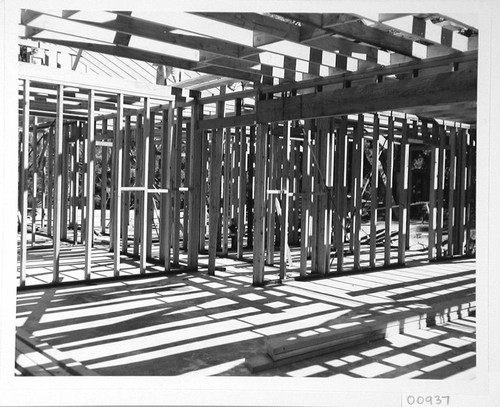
(207, 325)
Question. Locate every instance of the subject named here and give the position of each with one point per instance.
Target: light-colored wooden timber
(215, 196)
(242, 190)
(50, 179)
(150, 183)
(83, 200)
(187, 181)
(440, 192)
(90, 175)
(75, 183)
(226, 196)
(358, 160)
(234, 201)
(196, 180)
(373, 73)
(451, 191)
(293, 215)
(34, 190)
(139, 169)
(374, 183)
(112, 189)
(146, 136)
(339, 214)
(403, 194)
(166, 199)
(164, 33)
(388, 190)
(321, 231)
(250, 188)
(58, 185)
(433, 195)
(104, 178)
(205, 153)
(306, 198)
(285, 186)
(125, 211)
(462, 180)
(260, 204)
(118, 169)
(470, 194)
(176, 183)
(64, 209)
(88, 81)
(271, 206)
(24, 182)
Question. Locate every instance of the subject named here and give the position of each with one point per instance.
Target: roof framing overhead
(260, 49)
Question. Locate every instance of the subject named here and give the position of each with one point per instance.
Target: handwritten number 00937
(428, 400)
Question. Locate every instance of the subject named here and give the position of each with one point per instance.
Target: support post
(403, 194)
(358, 161)
(118, 169)
(388, 191)
(24, 182)
(34, 189)
(196, 173)
(126, 182)
(432, 194)
(374, 193)
(166, 183)
(150, 170)
(306, 198)
(50, 181)
(139, 169)
(215, 188)
(260, 204)
(104, 177)
(58, 184)
(285, 256)
(341, 193)
(65, 183)
(242, 187)
(74, 180)
(250, 191)
(176, 182)
(144, 183)
(90, 175)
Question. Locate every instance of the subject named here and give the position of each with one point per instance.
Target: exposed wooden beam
(449, 87)
(258, 22)
(160, 32)
(358, 31)
(75, 79)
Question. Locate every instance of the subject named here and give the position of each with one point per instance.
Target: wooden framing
(23, 183)
(58, 144)
(389, 191)
(196, 156)
(144, 182)
(374, 193)
(260, 204)
(282, 161)
(118, 171)
(90, 174)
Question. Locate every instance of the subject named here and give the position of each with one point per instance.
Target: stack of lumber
(36, 358)
(287, 349)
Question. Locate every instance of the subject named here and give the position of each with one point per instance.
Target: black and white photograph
(278, 204)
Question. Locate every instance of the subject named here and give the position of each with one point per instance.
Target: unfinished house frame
(329, 144)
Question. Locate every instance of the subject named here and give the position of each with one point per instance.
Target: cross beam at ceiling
(443, 88)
